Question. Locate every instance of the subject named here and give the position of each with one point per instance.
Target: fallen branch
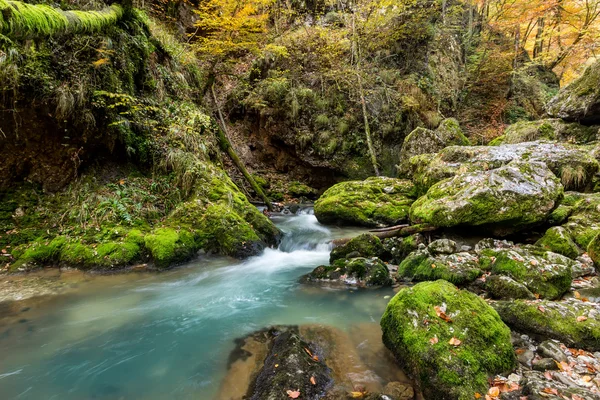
(389, 228)
(398, 232)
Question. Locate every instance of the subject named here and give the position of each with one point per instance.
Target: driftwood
(395, 231)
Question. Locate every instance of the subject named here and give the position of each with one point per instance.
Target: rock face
(377, 201)
(423, 141)
(449, 360)
(354, 272)
(548, 129)
(364, 245)
(573, 164)
(572, 322)
(580, 101)
(289, 366)
(507, 198)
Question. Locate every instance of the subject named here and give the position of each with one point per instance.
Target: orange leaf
(455, 341)
(581, 318)
(312, 380)
(441, 314)
(494, 392)
(308, 351)
(477, 395)
(550, 391)
(577, 295)
(293, 394)
(315, 358)
(434, 340)
(433, 266)
(548, 375)
(542, 309)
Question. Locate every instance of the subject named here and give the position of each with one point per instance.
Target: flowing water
(169, 335)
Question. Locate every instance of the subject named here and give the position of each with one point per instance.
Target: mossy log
(23, 20)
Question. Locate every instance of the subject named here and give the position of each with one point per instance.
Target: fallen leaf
(455, 341)
(442, 314)
(433, 266)
(293, 394)
(477, 395)
(581, 318)
(357, 395)
(308, 351)
(534, 262)
(315, 358)
(494, 392)
(276, 365)
(434, 340)
(3, 251)
(577, 295)
(312, 380)
(550, 391)
(576, 397)
(548, 375)
(542, 309)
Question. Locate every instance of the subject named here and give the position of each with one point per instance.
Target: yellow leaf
(455, 341)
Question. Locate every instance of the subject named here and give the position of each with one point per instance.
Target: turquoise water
(169, 335)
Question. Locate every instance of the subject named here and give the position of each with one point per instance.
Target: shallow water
(169, 335)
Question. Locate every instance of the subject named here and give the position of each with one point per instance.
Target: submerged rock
(505, 199)
(355, 272)
(579, 101)
(376, 201)
(572, 322)
(449, 360)
(573, 164)
(364, 245)
(423, 141)
(289, 366)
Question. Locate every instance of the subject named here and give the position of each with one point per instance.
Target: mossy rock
(555, 320)
(579, 101)
(502, 200)
(423, 141)
(504, 287)
(442, 370)
(357, 271)
(168, 246)
(546, 274)
(365, 245)
(593, 251)
(422, 265)
(583, 217)
(573, 164)
(549, 129)
(397, 249)
(376, 201)
(558, 240)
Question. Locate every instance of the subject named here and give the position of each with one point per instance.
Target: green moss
(373, 202)
(442, 370)
(504, 287)
(168, 246)
(497, 141)
(460, 268)
(357, 271)
(554, 320)
(365, 245)
(38, 254)
(593, 251)
(558, 240)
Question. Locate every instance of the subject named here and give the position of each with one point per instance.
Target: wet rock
(427, 344)
(290, 364)
(538, 387)
(572, 322)
(399, 248)
(443, 246)
(423, 141)
(376, 201)
(365, 245)
(544, 364)
(504, 287)
(573, 164)
(579, 101)
(551, 349)
(399, 391)
(354, 272)
(503, 200)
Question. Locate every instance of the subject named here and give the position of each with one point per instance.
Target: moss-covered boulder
(426, 265)
(546, 274)
(364, 245)
(423, 141)
(376, 201)
(558, 240)
(573, 164)
(572, 322)
(505, 199)
(449, 360)
(579, 101)
(357, 271)
(504, 287)
(553, 129)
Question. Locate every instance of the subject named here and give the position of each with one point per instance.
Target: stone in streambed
(420, 340)
(552, 349)
(364, 245)
(376, 201)
(502, 200)
(353, 272)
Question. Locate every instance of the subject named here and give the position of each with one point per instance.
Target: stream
(170, 335)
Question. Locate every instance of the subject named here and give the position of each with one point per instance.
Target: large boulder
(423, 141)
(574, 165)
(552, 129)
(572, 322)
(376, 201)
(503, 200)
(449, 360)
(359, 271)
(580, 101)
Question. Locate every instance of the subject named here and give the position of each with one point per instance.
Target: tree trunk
(226, 146)
(538, 49)
(367, 128)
